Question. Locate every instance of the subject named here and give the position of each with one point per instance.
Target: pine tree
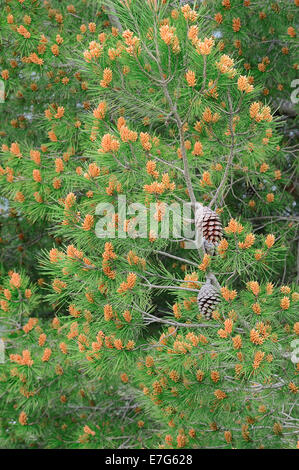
(180, 340)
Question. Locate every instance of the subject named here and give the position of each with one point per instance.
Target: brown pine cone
(207, 299)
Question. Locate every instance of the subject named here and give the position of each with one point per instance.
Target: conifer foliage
(119, 330)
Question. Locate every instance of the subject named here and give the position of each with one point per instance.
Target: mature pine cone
(208, 297)
(209, 223)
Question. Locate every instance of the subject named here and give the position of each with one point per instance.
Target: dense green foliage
(154, 102)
